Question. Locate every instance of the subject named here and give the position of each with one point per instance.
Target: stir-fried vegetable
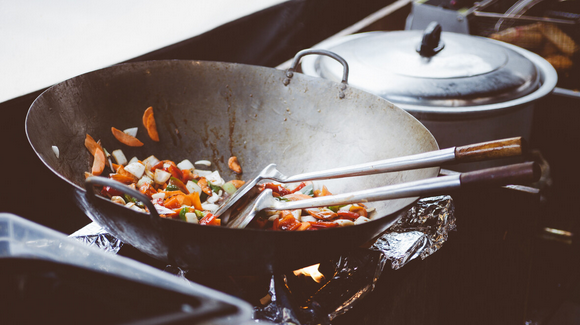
(307, 219)
(180, 191)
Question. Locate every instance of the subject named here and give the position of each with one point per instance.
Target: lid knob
(431, 43)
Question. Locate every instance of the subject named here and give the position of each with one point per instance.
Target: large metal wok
(213, 110)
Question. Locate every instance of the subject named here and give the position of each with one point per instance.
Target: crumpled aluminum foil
(94, 235)
(419, 233)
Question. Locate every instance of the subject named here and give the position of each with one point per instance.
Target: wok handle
(511, 174)
(91, 181)
(299, 55)
(491, 150)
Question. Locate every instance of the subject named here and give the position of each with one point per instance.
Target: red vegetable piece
(322, 224)
(348, 215)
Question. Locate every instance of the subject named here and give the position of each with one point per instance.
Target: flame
(311, 271)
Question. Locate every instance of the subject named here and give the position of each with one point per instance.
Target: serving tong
(511, 174)
(468, 153)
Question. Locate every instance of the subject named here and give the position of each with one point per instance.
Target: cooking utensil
(475, 152)
(213, 110)
(525, 172)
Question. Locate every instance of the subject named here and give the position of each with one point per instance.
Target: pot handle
(299, 55)
(91, 181)
(431, 43)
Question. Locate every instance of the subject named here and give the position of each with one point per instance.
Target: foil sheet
(420, 233)
(94, 235)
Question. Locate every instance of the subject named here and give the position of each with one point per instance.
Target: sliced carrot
(121, 171)
(174, 202)
(123, 178)
(187, 175)
(297, 196)
(195, 201)
(91, 144)
(126, 139)
(322, 213)
(237, 183)
(360, 210)
(99, 162)
(150, 125)
(323, 192)
(303, 226)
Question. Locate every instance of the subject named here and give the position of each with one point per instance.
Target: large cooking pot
(463, 88)
(214, 110)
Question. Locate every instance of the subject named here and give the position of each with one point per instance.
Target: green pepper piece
(172, 187)
(182, 213)
(214, 188)
(199, 214)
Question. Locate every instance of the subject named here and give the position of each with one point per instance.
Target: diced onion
(143, 180)
(151, 161)
(214, 197)
(297, 213)
(134, 159)
(203, 162)
(192, 187)
(308, 218)
(191, 217)
(161, 176)
(56, 151)
(131, 131)
(119, 157)
(163, 210)
(185, 164)
(360, 220)
(159, 195)
(346, 207)
(215, 179)
(202, 172)
(344, 222)
(209, 207)
(136, 169)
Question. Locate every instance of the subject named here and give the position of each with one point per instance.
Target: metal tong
(511, 174)
(475, 152)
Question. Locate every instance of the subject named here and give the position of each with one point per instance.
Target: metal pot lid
(431, 68)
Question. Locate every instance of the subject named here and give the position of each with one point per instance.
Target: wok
(214, 110)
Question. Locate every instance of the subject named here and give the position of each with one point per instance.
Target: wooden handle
(491, 150)
(512, 174)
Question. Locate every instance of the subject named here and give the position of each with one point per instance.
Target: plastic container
(46, 277)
